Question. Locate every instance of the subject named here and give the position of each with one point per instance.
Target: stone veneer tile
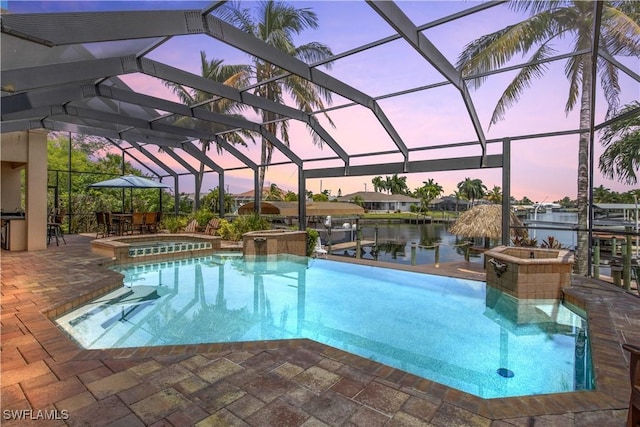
(316, 379)
(221, 418)
(331, 408)
(100, 413)
(278, 413)
(24, 373)
(382, 397)
(159, 405)
(218, 370)
(74, 403)
(113, 384)
(51, 393)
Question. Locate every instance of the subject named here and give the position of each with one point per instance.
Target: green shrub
(228, 231)
(203, 216)
(173, 223)
(242, 224)
(254, 222)
(312, 239)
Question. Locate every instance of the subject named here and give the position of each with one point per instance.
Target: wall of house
(25, 151)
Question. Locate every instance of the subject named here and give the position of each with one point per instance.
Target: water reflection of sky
(449, 330)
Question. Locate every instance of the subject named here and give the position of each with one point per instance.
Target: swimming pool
(456, 332)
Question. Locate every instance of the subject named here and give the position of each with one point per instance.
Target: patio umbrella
(130, 182)
(485, 221)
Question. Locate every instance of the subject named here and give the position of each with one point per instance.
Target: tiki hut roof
(313, 208)
(484, 221)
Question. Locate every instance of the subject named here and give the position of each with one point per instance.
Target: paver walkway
(282, 383)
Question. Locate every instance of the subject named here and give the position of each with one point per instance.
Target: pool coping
(612, 314)
(606, 395)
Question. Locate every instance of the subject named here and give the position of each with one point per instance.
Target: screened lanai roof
(94, 72)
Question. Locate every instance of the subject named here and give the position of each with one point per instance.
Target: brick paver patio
(278, 383)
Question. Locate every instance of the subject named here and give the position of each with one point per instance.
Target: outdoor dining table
(121, 221)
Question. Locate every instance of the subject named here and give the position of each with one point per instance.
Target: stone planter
(273, 242)
(529, 273)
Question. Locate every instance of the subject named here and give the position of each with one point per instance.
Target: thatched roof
(313, 208)
(484, 221)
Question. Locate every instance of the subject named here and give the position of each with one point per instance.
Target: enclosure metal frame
(84, 96)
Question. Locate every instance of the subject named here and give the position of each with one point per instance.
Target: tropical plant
(211, 201)
(429, 191)
(397, 184)
(601, 194)
(312, 238)
(458, 196)
(290, 196)
(358, 200)
(551, 243)
(549, 21)
(230, 75)
(526, 201)
(173, 223)
(202, 215)
(472, 189)
(621, 158)
(495, 195)
(276, 23)
(379, 185)
(241, 225)
(274, 193)
(566, 202)
(524, 241)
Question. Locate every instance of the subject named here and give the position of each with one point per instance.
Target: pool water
(456, 332)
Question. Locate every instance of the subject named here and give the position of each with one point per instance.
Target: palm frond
(492, 51)
(621, 138)
(622, 159)
(610, 84)
(522, 81)
(535, 7)
(573, 71)
(621, 31)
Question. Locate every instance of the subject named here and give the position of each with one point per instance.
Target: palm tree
(398, 184)
(429, 191)
(549, 21)
(621, 138)
(276, 23)
(274, 193)
(378, 184)
(358, 200)
(602, 194)
(472, 189)
(495, 195)
(458, 195)
(231, 75)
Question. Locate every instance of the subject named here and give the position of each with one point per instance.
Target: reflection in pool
(453, 331)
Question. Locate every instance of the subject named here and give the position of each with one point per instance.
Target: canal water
(395, 239)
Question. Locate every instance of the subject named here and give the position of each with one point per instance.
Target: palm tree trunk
(582, 251)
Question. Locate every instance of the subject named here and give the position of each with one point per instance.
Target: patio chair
(319, 251)
(151, 221)
(212, 227)
(192, 227)
(633, 418)
(54, 228)
(138, 223)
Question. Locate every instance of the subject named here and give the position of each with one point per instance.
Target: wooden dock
(351, 245)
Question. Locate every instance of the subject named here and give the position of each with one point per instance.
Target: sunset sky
(541, 168)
